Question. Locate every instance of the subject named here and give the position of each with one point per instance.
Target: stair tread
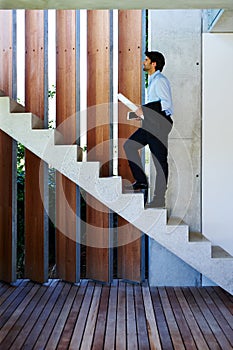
(219, 253)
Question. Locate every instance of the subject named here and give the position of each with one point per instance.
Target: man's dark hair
(156, 56)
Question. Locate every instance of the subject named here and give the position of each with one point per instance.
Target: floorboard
(203, 324)
(212, 322)
(171, 321)
(98, 341)
(110, 333)
(121, 317)
(82, 318)
(181, 320)
(116, 316)
(72, 317)
(165, 337)
(143, 340)
(132, 342)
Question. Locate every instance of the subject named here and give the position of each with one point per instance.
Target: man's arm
(163, 91)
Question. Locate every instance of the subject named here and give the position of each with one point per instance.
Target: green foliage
(52, 91)
(51, 124)
(20, 210)
(20, 159)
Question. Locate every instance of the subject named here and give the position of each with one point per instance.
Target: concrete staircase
(193, 248)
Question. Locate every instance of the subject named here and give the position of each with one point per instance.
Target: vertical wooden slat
(7, 236)
(98, 254)
(130, 66)
(6, 51)
(36, 237)
(67, 256)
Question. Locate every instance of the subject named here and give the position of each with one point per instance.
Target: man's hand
(139, 113)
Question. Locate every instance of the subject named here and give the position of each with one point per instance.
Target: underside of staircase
(193, 248)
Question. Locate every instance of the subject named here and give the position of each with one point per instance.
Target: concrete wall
(217, 139)
(177, 33)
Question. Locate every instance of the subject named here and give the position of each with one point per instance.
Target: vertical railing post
(36, 94)
(8, 187)
(99, 142)
(67, 105)
(130, 252)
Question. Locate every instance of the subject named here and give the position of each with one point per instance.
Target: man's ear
(154, 64)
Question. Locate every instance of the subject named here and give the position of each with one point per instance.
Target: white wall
(218, 139)
(177, 34)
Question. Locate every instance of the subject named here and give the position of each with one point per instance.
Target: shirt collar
(152, 76)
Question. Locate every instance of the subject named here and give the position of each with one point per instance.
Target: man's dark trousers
(154, 133)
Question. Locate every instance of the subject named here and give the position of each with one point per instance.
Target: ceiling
(116, 4)
(223, 23)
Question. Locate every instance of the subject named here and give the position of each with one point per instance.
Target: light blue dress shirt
(159, 89)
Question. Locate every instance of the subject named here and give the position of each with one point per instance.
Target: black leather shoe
(137, 186)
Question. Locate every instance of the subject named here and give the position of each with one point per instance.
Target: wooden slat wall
(36, 237)
(66, 245)
(99, 65)
(7, 244)
(130, 67)
(98, 232)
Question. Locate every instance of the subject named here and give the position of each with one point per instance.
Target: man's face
(149, 66)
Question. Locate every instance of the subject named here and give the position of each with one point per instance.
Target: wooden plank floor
(60, 315)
